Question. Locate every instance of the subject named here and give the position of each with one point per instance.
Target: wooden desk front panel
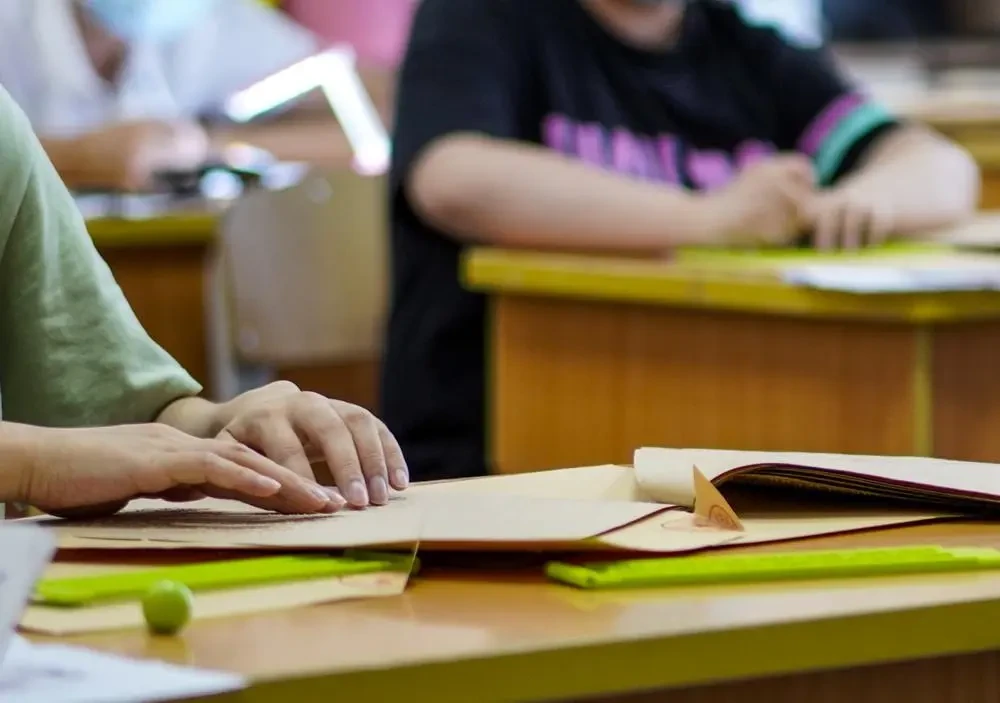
(972, 678)
(579, 383)
(165, 285)
(966, 391)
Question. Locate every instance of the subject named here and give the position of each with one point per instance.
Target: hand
(130, 154)
(362, 458)
(846, 218)
(764, 205)
(83, 471)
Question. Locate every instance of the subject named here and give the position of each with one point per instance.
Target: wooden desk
(505, 636)
(159, 263)
(593, 357)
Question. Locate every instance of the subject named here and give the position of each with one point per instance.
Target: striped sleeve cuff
(837, 128)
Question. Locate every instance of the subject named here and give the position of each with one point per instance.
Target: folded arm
(503, 192)
(921, 178)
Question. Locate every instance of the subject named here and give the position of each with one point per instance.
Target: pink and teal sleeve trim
(837, 128)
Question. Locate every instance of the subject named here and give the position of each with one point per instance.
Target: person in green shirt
(95, 414)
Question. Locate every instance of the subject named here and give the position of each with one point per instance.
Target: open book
(665, 476)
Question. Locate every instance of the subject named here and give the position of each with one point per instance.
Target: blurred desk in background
(160, 252)
(593, 357)
(159, 259)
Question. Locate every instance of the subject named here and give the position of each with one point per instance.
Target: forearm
(524, 196)
(74, 165)
(314, 139)
(925, 181)
(17, 458)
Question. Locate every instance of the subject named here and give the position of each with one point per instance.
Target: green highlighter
(84, 591)
(786, 566)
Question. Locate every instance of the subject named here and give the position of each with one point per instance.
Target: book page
(678, 532)
(665, 474)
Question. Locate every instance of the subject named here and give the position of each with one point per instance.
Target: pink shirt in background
(378, 29)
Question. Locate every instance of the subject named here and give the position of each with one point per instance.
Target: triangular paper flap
(710, 507)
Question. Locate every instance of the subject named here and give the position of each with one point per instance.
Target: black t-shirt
(545, 71)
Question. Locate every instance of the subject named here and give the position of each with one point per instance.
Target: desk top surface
(533, 640)
(137, 221)
(737, 281)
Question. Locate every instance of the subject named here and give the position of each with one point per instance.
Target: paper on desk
(25, 550)
(887, 278)
(49, 673)
(677, 532)
(437, 517)
(217, 604)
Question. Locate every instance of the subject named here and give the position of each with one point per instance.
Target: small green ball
(167, 607)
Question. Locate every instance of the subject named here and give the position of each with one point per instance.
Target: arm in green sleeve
(72, 353)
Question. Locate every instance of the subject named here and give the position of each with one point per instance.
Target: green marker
(167, 607)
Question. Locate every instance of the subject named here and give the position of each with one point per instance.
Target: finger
(301, 493)
(209, 468)
(827, 226)
(800, 168)
(854, 227)
(395, 462)
(314, 417)
(368, 444)
(274, 505)
(274, 437)
(880, 226)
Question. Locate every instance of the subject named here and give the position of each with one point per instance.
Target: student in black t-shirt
(617, 125)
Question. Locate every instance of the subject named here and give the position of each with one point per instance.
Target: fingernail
(357, 494)
(268, 484)
(402, 478)
(336, 498)
(320, 494)
(378, 490)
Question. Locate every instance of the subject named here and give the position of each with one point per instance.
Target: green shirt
(72, 353)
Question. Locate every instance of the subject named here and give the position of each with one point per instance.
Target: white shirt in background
(44, 66)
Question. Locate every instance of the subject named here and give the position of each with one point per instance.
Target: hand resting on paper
(91, 472)
(258, 448)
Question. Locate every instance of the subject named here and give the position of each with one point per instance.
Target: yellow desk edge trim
(634, 281)
(668, 662)
(178, 229)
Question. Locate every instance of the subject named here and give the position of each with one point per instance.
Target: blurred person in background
(894, 20)
(626, 126)
(377, 29)
(116, 88)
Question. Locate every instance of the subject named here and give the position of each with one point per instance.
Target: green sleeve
(72, 353)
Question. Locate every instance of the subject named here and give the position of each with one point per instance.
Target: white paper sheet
(32, 673)
(25, 550)
(850, 278)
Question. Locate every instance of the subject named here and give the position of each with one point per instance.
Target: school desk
(160, 261)
(591, 357)
(506, 635)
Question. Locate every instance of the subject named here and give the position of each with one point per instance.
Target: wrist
(20, 448)
(196, 416)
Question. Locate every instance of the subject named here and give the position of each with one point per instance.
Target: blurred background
(274, 266)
